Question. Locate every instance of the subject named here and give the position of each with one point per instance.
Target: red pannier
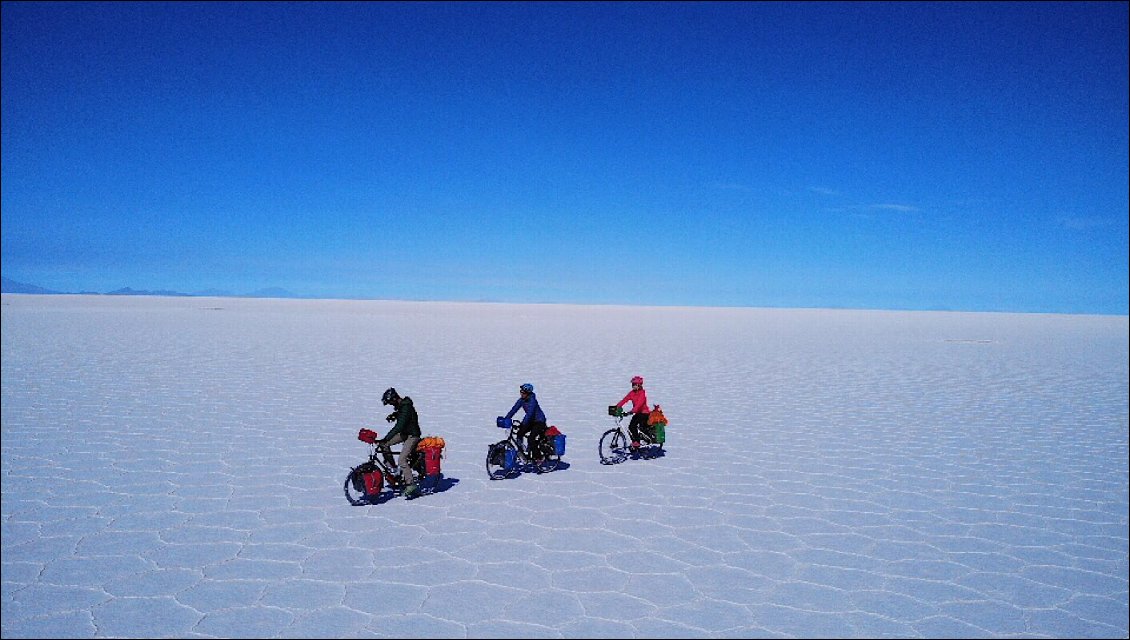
(432, 457)
(368, 480)
(432, 448)
(374, 482)
(366, 435)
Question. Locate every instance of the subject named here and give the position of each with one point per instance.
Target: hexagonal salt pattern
(173, 467)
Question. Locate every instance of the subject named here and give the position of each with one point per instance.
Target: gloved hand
(391, 417)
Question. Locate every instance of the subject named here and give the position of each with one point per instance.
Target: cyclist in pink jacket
(639, 408)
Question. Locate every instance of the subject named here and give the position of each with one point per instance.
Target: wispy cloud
(881, 206)
(900, 208)
(867, 210)
(825, 192)
(730, 186)
(1086, 223)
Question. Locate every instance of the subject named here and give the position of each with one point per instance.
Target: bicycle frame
(613, 447)
(517, 443)
(390, 473)
(548, 463)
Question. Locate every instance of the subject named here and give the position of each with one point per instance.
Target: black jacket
(407, 421)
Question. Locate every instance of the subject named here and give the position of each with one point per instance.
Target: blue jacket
(530, 405)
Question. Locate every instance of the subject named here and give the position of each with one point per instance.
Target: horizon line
(174, 295)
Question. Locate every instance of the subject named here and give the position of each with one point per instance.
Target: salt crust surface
(173, 467)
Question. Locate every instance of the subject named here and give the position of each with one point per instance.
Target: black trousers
(533, 432)
(638, 425)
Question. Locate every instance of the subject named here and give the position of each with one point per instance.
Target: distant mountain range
(11, 286)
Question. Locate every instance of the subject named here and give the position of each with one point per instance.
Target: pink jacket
(639, 401)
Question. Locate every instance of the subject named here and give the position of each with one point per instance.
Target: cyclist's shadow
(445, 482)
(531, 468)
(427, 485)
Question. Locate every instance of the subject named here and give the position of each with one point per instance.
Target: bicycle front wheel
(355, 488)
(497, 455)
(613, 447)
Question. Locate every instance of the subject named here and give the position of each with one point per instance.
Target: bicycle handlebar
(509, 425)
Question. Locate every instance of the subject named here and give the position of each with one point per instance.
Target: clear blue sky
(905, 156)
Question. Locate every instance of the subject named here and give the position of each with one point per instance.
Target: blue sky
(902, 156)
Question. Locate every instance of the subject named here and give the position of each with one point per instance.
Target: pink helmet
(637, 380)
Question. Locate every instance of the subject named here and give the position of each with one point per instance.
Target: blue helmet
(526, 388)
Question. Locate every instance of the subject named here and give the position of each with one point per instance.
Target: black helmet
(390, 396)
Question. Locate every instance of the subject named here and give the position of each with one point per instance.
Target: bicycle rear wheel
(613, 447)
(548, 463)
(544, 456)
(549, 460)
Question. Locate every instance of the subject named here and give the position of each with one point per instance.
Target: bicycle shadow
(530, 467)
(443, 483)
(642, 454)
(427, 486)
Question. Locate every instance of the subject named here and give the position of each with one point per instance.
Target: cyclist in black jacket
(406, 432)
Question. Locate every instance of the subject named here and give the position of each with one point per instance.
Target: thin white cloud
(901, 208)
(882, 206)
(867, 210)
(825, 192)
(1085, 223)
(730, 186)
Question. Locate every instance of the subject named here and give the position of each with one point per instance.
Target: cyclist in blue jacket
(533, 423)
